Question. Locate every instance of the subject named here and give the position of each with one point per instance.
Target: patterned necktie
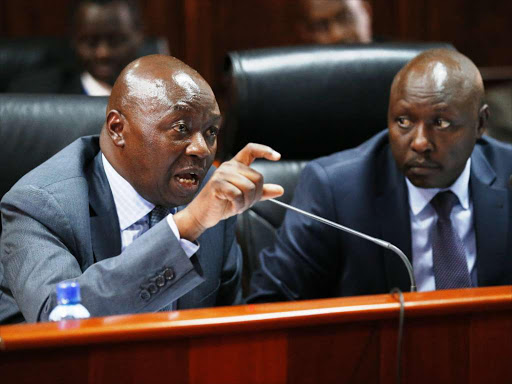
(450, 265)
(157, 214)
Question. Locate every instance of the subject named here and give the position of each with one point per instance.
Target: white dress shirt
(133, 211)
(423, 220)
(93, 87)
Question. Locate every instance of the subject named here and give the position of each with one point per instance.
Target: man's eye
(442, 123)
(181, 127)
(89, 41)
(404, 122)
(212, 132)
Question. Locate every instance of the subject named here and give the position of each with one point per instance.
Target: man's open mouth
(187, 179)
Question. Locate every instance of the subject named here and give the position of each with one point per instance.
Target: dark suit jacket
(362, 188)
(60, 222)
(61, 80)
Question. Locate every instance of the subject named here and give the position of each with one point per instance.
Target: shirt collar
(94, 87)
(419, 198)
(130, 206)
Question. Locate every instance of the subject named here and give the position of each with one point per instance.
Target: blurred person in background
(105, 37)
(335, 21)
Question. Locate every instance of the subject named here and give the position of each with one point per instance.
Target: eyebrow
(441, 107)
(180, 107)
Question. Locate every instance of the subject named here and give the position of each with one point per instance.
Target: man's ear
(483, 118)
(115, 127)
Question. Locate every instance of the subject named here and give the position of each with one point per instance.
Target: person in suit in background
(430, 184)
(335, 21)
(105, 36)
(136, 215)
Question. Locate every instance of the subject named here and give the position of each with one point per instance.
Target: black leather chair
(29, 54)
(20, 55)
(305, 102)
(35, 127)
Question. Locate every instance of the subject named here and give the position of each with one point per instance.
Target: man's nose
(337, 33)
(198, 146)
(102, 50)
(421, 141)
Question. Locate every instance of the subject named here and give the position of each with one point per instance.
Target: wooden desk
(457, 336)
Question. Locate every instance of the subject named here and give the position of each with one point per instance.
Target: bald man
(136, 216)
(430, 184)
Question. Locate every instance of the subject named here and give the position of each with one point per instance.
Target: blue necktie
(450, 265)
(157, 214)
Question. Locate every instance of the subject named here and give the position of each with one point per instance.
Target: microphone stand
(380, 242)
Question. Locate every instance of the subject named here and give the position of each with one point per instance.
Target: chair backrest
(311, 101)
(35, 127)
(29, 54)
(305, 102)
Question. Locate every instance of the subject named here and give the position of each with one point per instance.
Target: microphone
(380, 242)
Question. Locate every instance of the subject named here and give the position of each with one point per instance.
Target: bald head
(161, 129)
(147, 83)
(448, 71)
(436, 114)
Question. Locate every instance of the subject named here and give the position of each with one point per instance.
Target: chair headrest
(35, 127)
(29, 54)
(312, 100)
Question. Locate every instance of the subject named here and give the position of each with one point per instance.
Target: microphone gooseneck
(380, 242)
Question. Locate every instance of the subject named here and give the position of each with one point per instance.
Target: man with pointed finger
(430, 184)
(137, 215)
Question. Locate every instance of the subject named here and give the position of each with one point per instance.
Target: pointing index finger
(254, 151)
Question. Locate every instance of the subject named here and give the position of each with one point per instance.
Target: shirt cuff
(188, 247)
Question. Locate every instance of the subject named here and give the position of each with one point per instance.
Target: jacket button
(152, 288)
(145, 295)
(169, 274)
(160, 281)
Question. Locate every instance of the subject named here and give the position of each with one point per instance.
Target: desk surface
(459, 336)
(250, 318)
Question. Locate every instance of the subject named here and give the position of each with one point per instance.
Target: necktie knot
(157, 214)
(443, 203)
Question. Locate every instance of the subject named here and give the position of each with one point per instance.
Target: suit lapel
(105, 233)
(392, 207)
(491, 220)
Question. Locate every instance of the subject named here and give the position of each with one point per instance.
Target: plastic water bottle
(69, 303)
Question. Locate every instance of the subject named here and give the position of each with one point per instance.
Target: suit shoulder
(354, 160)
(71, 162)
(494, 150)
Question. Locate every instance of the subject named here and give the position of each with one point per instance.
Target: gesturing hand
(233, 188)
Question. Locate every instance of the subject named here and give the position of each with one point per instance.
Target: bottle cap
(68, 292)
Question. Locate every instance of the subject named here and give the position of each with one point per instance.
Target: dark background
(200, 32)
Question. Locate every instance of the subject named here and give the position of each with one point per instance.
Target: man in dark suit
(92, 212)
(431, 185)
(105, 36)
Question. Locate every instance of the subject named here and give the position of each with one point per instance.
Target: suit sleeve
(39, 248)
(230, 290)
(303, 262)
